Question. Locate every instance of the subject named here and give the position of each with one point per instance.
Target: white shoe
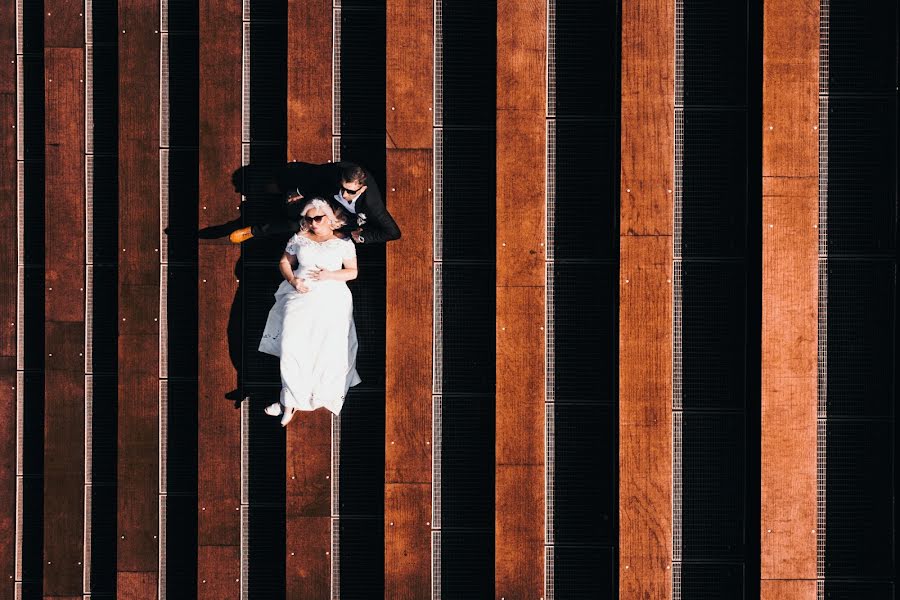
(274, 410)
(287, 416)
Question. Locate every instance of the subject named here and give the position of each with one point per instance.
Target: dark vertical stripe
(362, 457)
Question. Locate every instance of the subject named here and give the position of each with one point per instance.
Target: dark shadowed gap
(584, 294)
(104, 290)
(862, 333)
(259, 278)
(361, 477)
(467, 288)
(719, 314)
(180, 526)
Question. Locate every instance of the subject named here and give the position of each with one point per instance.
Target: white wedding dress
(313, 332)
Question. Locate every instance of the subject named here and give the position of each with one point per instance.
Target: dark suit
(324, 181)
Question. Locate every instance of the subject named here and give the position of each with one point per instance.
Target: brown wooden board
(520, 444)
(138, 300)
(308, 516)
(521, 272)
(309, 139)
(645, 421)
(410, 276)
(645, 294)
(219, 423)
(8, 294)
(219, 572)
(410, 73)
(407, 540)
(138, 452)
(136, 586)
(789, 299)
(63, 458)
(64, 307)
(309, 90)
(8, 422)
(788, 590)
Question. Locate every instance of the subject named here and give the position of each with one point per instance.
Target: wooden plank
(136, 586)
(308, 482)
(219, 573)
(138, 299)
(409, 314)
(645, 293)
(788, 590)
(8, 423)
(645, 416)
(407, 540)
(521, 272)
(308, 516)
(219, 429)
(789, 299)
(410, 74)
(309, 81)
(63, 458)
(8, 296)
(64, 307)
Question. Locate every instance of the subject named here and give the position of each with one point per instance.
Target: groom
(345, 184)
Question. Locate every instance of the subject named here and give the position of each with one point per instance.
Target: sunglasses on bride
(315, 219)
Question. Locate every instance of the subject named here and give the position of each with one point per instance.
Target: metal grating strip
(89, 22)
(88, 431)
(336, 73)
(438, 64)
(163, 438)
(163, 322)
(550, 333)
(677, 486)
(335, 557)
(335, 507)
(551, 58)
(164, 16)
(20, 109)
(89, 209)
(549, 573)
(550, 191)
(87, 584)
(438, 187)
(89, 99)
(89, 319)
(20, 517)
(435, 565)
(163, 205)
(163, 564)
(336, 148)
(822, 350)
(437, 436)
(20, 27)
(164, 83)
(245, 85)
(677, 317)
(20, 321)
(437, 364)
(245, 550)
(550, 475)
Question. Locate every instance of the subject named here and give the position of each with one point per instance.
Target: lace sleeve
(348, 249)
(291, 247)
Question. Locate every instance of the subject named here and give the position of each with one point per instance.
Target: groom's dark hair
(353, 173)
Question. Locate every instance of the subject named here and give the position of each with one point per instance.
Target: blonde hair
(335, 215)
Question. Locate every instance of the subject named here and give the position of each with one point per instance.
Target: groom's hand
(300, 285)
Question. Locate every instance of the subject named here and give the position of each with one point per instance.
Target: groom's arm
(380, 226)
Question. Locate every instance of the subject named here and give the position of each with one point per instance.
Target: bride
(311, 325)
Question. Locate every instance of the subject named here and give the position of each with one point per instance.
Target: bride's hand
(300, 285)
(318, 274)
